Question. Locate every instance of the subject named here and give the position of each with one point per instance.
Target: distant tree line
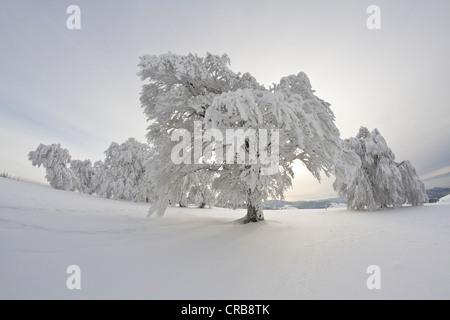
(121, 175)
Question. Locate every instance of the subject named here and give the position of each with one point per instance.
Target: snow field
(195, 253)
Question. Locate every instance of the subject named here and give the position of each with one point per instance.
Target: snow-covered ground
(203, 254)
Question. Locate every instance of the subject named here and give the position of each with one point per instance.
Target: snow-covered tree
(200, 190)
(84, 172)
(55, 160)
(120, 175)
(202, 96)
(414, 191)
(379, 182)
(99, 180)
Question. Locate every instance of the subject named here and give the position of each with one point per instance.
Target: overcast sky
(79, 87)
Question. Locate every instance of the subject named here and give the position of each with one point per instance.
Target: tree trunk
(254, 208)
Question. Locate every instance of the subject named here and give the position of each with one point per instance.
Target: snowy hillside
(202, 254)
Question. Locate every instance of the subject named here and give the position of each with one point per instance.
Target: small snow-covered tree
(184, 91)
(99, 180)
(379, 181)
(84, 172)
(199, 190)
(121, 174)
(414, 191)
(55, 160)
(359, 191)
(380, 162)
